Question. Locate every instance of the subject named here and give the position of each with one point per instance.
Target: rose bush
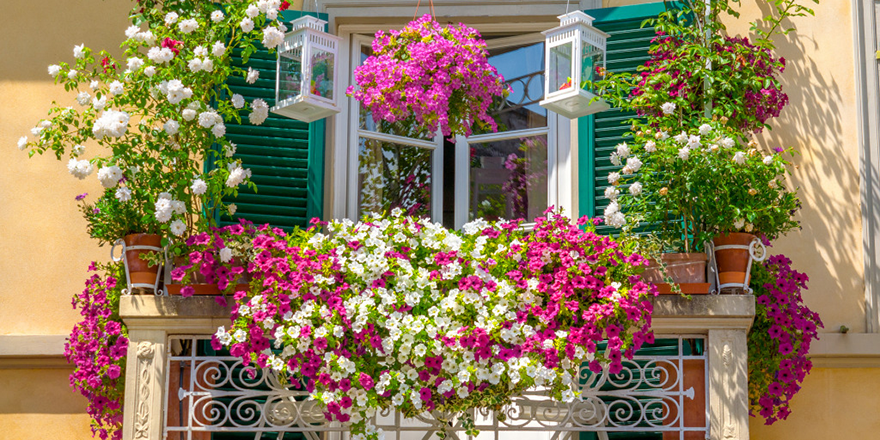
(396, 312)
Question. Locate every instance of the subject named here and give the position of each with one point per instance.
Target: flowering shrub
(402, 313)
(699, 183)
(97, 347)
(436, 76)
(780, 338)
(159, 114)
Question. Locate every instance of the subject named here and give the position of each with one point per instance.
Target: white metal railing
(216, 394)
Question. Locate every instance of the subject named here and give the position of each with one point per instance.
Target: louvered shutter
(600, 133)
(286, 156)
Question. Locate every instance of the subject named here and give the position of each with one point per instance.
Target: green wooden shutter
(598, 134)
(286, 156)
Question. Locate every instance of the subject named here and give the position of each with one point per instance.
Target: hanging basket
(734, 255)
(139, 275)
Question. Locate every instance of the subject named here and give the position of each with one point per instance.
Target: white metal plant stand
(757, 253)
(124, 258)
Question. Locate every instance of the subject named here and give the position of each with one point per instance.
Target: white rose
(123, 194)
(705, 129)
(218, 49)
(150, 71)
(217, 16)
(635, 189)
(252, 75)
(247, 25)
(188, 114)
(22, 142)
(170, 18)
(684, 153)
(171, 127)
(116, 88)
(232, 208)
(739, 157)
(79, 51)
(219, 130)
(54, 70)
(72, 74)
(237, 100)
(668, 108)
(252, 11)
(178, 228)
(188, 26)
(199, 187)
(768, 160)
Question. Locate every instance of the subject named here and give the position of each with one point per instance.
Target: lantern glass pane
(290, 81)
(561, 68)
(323, 63)
(591, 66)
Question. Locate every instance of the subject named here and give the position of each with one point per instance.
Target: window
(494, 175)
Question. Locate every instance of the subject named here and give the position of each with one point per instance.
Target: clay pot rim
(731, 237)
(688, 256)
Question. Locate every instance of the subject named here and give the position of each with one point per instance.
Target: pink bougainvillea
(780, 338)
(433, 75)
(97, 348)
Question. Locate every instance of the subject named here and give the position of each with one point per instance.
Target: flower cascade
(96, 348)
(401, 313)
(436, 76)
(780, 338)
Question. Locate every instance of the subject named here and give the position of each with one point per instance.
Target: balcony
(691, 384)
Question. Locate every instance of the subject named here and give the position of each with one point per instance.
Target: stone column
(150, 320)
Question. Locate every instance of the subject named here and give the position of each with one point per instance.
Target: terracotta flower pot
(682, 268)
(139, 271)
(732, 263)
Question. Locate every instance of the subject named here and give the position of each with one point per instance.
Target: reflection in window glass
(291, 74)
(509, 179)
(523, 71)
(322, 74)
(394, 176)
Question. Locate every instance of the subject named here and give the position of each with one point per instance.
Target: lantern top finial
(307, 21)
(575, 17)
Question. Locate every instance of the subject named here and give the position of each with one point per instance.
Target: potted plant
(442, 79)
(146, 124)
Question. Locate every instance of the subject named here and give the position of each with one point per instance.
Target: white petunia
(225, 254)
(188, 26)
(668, 108)
(739, 157)
(635, 189)
(237, 100)
(259, 113)
(171, 127)
(22, 142)
(123, 194)
(171, 18)
(217, 16)
(272, 37)
(252, 75)
(79, 51)
(54, 70)
(705, 129)
(199, 187)
(177, 227)
(110, 176)
(246, 25)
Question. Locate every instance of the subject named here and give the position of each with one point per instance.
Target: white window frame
(342, 190)
(867, 47)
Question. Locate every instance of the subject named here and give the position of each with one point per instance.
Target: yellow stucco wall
(39, 405)
(44, 247)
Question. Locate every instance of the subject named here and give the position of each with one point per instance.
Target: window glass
(394, 176)
(509, 179)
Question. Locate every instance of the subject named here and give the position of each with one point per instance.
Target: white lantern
(574, 52)
(305, 86)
